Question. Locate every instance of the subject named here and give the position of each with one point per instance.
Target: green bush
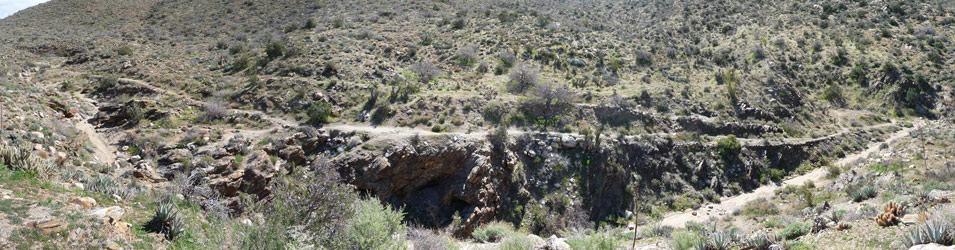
(382, 113)
(517, 242)
(319, 113)
(134, 112)
(274, 50)
(729, 147)
(683, 240)
(597, 241)
(795, 230)
(492, 233)
(760, 207)
(376, 226)
(124, 51)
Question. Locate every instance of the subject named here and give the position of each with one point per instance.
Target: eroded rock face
(443, 176)
(433, 182)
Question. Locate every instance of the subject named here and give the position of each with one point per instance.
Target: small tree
(523, 77)
(550, 100)
(729, 147)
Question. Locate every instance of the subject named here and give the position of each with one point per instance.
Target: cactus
(886, 219)
(890, 215)
(897, 209)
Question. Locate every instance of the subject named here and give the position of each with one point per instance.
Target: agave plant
(932, 232)
(166, 221)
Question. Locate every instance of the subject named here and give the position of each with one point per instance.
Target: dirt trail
(729, 204)
(102, 151)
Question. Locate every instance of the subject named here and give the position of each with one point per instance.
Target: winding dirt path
(817, 176)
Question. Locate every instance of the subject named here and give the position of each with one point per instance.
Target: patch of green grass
(683, 240)
(882, 168)
(597, 241)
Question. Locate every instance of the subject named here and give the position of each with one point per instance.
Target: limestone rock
(932, 246)
(555, 243)
(48, 227)
(293, 154)
(85, 202)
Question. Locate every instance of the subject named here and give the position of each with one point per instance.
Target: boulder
(293, 154)
(145, 172)
(259, 174)
(48, 227)
(554, 243)
(175, 156)
(228, 185)
(85, 202)
(932, 246)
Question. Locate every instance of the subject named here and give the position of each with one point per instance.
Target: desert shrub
(833, 171)
(760, 207)
(834, 95)
(644, 58)
(839, 57)
(213, 111)
(683, 240)
(795, 230)
(124, 51)
(459, 23)
(467, 55)
(495, 111)
(858, 74)
(242, 63)
(656, 230)
(318, 113)
(507, 59)
(757, 53)
(597, 241)
(426, 71)
(318, 203)
(166, 221)
(330, 69)
(134, 112)
(376, 226)
(499, 136)
(517, 242)
(522, 78)
(729, 147)
(382, 113)
(309, 24)
(493, 232)
(426, 239)
(274, 50)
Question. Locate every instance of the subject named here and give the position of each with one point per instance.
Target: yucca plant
(863, 194)
(716, 241)
(166, 221)
(932, 232)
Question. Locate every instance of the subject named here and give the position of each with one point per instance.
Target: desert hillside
(451, 124)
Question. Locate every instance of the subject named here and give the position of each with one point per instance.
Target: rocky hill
(477, 124)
